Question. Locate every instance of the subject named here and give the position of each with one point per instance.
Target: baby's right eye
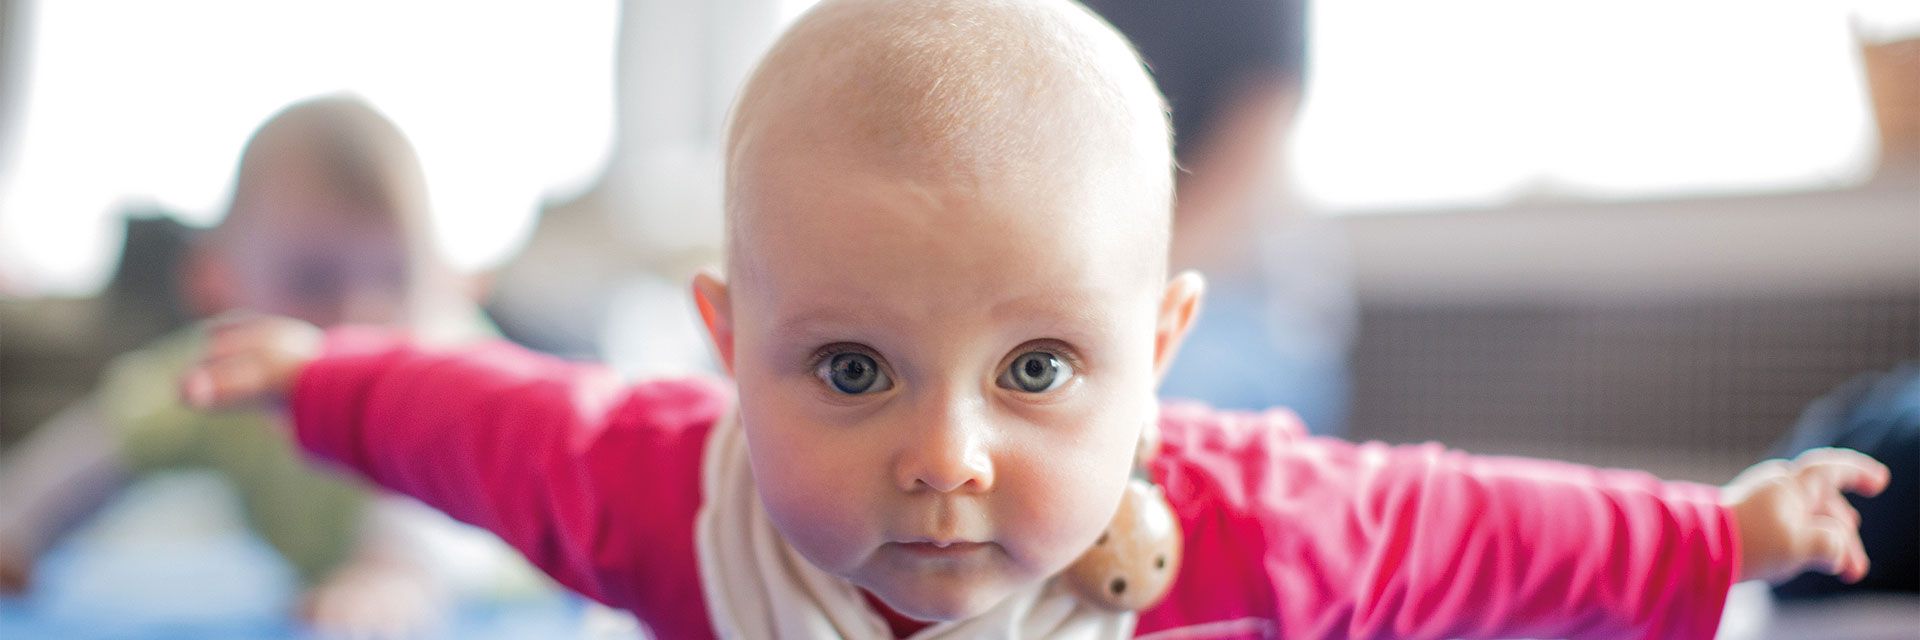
(1036, 372)
(853, 373)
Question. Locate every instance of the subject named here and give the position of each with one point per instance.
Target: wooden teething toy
(1134, 561)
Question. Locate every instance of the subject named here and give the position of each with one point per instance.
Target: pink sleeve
(1377, 541)
(596, 482)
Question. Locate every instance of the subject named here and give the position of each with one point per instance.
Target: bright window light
(129, 101)
(1420, 105)
(790, 9)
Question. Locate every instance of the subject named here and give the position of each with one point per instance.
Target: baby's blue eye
(1036, 372)
(854, 374)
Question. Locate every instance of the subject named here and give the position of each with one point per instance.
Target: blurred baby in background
(328, 223)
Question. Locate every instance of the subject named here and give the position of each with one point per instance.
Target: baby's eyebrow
(1069, 307)
(1078, 317)
(1070, 313)
(825, 321)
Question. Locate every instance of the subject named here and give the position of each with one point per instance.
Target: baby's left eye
(1036, 372)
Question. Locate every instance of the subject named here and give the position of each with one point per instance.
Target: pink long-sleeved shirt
(598, 483)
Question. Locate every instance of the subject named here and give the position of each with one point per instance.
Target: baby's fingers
(249, 359)
(224, 382)
(1833, 547)
(1825, 550)
(1844, 469)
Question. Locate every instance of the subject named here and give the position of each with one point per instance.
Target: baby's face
(942, 381)
(326, 274)
(304, 250)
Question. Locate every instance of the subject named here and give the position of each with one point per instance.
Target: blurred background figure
(111, 496)
(1279, 314)
(328, 223)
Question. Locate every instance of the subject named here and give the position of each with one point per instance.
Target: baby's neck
(901, 625)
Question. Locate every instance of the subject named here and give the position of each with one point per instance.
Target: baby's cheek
(1059, 508)
(818, 514)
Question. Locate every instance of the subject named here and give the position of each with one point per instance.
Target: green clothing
(311, 515)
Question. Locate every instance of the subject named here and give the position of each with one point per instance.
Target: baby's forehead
(848, 197)
(863, 247)
(842, 220)
(299, 200)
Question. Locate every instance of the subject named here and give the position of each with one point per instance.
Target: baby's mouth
(937, 549)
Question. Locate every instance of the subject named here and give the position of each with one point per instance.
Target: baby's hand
(1793, 518)
(249, 360)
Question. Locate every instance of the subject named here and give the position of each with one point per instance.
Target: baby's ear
(1178, 308)
(710, 295)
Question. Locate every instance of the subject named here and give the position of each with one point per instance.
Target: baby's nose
(950, 454)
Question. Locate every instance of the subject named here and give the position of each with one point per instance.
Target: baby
(945, 311)
(327, 224)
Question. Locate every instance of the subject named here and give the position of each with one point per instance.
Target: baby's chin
(928, 601)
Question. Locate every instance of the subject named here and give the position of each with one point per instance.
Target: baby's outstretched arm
(1418, 541)
(1793, 518)
(595, 481)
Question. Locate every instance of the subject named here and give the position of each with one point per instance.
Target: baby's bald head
(1012, 97)
(338, 161)
(329, 223)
